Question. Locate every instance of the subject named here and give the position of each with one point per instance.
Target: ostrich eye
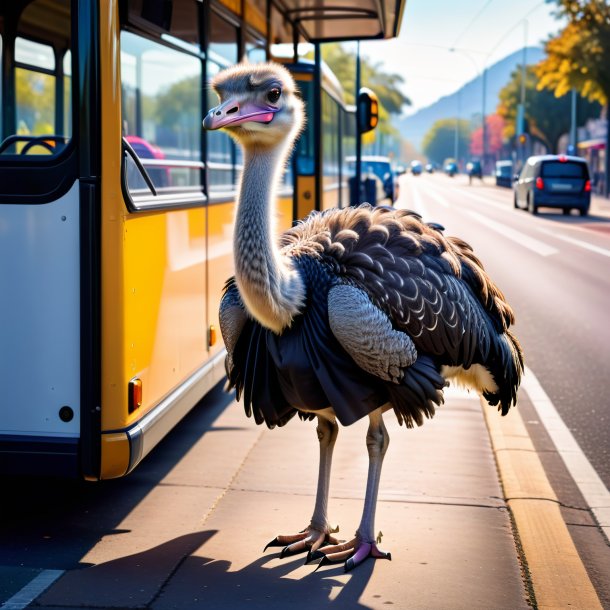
(274, 94)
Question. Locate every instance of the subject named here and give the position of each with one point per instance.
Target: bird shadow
(180, 574)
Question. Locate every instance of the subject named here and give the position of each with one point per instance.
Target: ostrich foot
(353, 553)
(310, 539)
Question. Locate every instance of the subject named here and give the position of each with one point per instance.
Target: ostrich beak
(234, 113)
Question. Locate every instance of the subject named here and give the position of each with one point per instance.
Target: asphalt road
(554, 270)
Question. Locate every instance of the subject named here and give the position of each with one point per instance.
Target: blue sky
(481, 31)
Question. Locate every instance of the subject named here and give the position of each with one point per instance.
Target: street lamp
(483, 75)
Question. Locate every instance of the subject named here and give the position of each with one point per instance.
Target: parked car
(380, 168)
(416, 168)
(555, 181)
(430, 168)
(504, 173)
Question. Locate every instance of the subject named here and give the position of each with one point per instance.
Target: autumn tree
(579, 57)
(495, 128)
(439, 142)
(548, 116)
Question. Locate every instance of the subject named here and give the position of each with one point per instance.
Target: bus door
(47, 202)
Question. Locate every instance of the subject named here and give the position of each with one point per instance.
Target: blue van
(554, 181)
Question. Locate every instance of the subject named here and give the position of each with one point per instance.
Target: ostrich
(351, 313)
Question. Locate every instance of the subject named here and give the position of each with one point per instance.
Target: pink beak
(234, 113)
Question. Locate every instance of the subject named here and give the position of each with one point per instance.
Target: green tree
(548, 116)
(579, 56)
(439, 142)
(385, 85)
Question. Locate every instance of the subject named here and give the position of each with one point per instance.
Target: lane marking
(495, 203)
(438, 198)
(590, 485)
(32, 590)
(416, 203)
(539, 247)
(576, 242)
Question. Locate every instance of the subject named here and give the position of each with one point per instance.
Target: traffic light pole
(358, 176)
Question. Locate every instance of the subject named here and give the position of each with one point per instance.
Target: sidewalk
(197, 540)
(600, 206)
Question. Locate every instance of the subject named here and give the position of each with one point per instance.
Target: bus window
(223, 160)
(38, 115)
(255, 49)
(161, 107)
(305, 144)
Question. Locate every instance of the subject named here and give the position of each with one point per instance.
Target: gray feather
(366, 334)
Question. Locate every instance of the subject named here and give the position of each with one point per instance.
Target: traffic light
(368, 110)
(523, 139)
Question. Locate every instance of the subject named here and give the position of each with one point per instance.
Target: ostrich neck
(269, 285)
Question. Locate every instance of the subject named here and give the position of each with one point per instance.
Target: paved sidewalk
(600, 206)
(197, 540)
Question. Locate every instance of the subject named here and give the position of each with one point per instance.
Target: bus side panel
(40, 313)
(306, 199)
(165, 305)
(330, 193)
(221, 217)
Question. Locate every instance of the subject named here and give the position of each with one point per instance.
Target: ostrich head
(258, 105)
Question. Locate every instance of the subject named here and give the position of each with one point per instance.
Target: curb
(558, 576)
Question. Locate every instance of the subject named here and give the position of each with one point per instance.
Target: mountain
(470, 97)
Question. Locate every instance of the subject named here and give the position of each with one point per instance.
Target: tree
(439, 142)
(548, 116)
(495, 129)
(578, 58)
(386, 86)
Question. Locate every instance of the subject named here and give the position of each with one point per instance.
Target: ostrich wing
(233, 317)
(366, 334)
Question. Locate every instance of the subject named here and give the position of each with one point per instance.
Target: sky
(481, 31)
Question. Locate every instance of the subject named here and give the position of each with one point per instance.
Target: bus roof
(328, 20)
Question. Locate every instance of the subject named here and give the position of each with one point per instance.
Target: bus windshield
(36, 100)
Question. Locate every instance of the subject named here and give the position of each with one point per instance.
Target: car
(380, 167)
(430, 168)
(504, 173)
(451, 168)
(474, 169)
(416, 168)
(554, 181)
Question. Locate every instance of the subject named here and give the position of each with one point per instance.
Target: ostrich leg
(318, 532)
(363, 545)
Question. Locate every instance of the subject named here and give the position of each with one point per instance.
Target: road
(554, 271)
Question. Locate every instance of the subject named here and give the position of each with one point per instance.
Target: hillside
(469, 97)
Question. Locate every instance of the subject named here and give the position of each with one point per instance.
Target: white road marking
(522, 239)
(438, 198)
(590, 485)
(576, 242)
(32, 590)
(417, 203)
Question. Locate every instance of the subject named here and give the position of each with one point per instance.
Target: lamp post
(483, 75)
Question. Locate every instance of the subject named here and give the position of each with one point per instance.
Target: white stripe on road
(438, 198)
(522, 239)
(32, 590)
(417, 203)
(590, 485)
(576, 242)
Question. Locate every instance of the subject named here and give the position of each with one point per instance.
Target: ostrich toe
(353, 553)
(310, 540)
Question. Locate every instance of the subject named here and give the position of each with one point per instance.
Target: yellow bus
(116, 210)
